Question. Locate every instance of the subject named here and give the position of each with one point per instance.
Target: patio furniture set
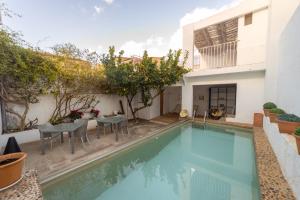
(78, 128)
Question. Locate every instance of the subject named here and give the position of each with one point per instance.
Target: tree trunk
(129, 101)
(23, 119)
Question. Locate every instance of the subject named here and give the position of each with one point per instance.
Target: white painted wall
(250, 92)
(289, 66)
(251, 47)
(44, 109)
(281, 34)
(287, 156)
(251, 42)
(188, 43)
(149, 112)
(172, 97)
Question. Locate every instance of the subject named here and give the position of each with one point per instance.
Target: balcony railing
(221, 55)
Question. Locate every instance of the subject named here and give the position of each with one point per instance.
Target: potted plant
(11, 167)
(287, 123)
(297, 137)
(94, 112)
(75, 114)
(273, 114)
(267, 107)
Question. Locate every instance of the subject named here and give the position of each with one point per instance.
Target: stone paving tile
(27, 189)
(273, 185)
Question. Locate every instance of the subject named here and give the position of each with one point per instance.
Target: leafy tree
(24, 75)
(79, 77)
(144, 80)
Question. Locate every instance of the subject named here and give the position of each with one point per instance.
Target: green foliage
(289, 117)
(297, 131)
(24, 75)
(277, 111)
(146, 77)
(79, 77)
(269, 105)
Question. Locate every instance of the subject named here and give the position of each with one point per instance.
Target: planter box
(287, 127)
(258, 120)
(273, 117)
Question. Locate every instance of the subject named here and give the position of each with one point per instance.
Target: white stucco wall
(287, 156)
(43, 109)
(252, 39)
(251, 42)
(148, 112)
(249, 97)
(188, 43)
(172, 97)
(289, 66)
(281, 21)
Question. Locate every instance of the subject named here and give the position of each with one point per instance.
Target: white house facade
(227, 56)
(239, 59)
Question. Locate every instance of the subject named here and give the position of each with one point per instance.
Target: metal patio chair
(82, 131)
(50, 136)
(104, 126)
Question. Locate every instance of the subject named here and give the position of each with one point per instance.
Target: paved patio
(59, 158)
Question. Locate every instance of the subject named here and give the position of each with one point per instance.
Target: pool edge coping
(273, 184)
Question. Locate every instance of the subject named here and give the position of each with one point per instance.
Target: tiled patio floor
(59, 158)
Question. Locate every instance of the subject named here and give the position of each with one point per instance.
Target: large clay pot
(298, 142)
(11, 167)
(273, 117)
(287, 127)
(258, 120)
(267, 112)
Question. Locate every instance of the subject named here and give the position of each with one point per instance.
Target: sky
(129, 25)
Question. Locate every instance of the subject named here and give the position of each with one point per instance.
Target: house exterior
(239, 58)
(227, 57)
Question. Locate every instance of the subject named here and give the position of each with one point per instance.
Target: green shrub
(297, 131)
(289, 117)
(277, 111)
(269, 105)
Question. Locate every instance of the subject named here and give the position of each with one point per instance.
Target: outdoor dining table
(113, 121)
(60, 128)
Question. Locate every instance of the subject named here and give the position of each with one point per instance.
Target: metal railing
(221, 55)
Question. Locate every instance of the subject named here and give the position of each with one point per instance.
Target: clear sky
(132, 25)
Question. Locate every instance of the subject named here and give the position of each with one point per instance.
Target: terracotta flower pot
(287, 127)
(267, 112)
(273, 117)
(298, 142)
(11, 167)
(258, 120)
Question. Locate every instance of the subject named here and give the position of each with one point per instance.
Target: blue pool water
(186, 163)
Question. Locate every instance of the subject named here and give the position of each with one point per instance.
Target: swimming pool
(185, 163)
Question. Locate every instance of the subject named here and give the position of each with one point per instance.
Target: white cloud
(159, 46)
(98, 9)
(109, 2)
(195, 15)
(156, 46)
